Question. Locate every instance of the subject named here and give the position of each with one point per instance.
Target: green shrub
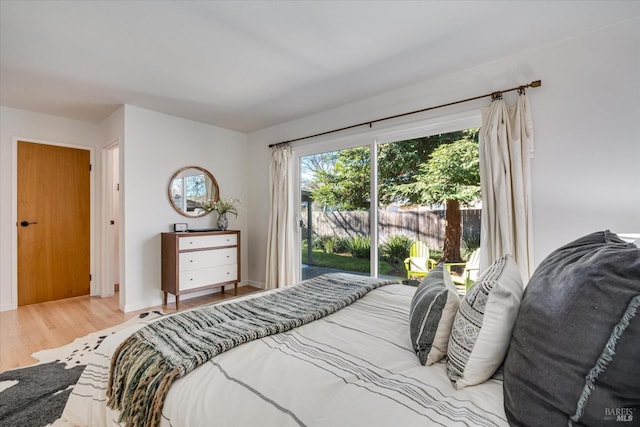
(359, 246)
(435, 254)
(316, 243)
(396, 249)
(469, 244)
(327, 244)
(331, 244)
(341, 245)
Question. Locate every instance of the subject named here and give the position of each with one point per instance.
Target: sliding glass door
(367, 208)
(335, 199)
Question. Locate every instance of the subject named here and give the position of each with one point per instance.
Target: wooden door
(53, 222)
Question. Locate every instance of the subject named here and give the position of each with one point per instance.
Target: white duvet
(352, 368)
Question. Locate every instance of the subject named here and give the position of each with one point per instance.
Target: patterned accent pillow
(483, 325)
(433, 307)
(574, 357)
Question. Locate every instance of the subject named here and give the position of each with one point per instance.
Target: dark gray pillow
(574, 357)
(433, 308)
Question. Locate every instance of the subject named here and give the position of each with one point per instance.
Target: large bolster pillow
(574, 357)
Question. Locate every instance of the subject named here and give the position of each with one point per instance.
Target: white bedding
(355, 367)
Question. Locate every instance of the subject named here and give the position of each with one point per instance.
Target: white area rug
(36, 395)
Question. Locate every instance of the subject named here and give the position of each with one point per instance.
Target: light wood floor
(52, 324)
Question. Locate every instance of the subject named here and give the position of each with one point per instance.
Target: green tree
(313, 165)
(345, 186)
(399, 164)
(341, 179)
(450, 177)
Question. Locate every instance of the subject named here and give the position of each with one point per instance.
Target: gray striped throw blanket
(146, 364)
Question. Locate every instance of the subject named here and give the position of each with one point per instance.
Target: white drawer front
(209, 258)
(207, 276)
(199, 242)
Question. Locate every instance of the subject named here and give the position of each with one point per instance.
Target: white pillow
(483, 324)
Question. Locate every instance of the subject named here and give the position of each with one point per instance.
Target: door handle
(26, 223)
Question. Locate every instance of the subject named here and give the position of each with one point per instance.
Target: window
(338, 180)
(425, 185)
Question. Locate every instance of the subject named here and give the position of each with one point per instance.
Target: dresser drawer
(208, 258)
(208, 276)
(200, 242)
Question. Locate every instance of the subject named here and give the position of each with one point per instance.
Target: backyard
(428, 192)
(347, 262)
(336, 253)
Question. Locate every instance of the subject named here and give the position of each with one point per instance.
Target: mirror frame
(214, 187)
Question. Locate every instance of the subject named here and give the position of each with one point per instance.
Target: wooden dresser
(194, 261)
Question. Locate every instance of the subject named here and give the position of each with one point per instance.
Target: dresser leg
(164, 298)
(177, 301)
(235, 288)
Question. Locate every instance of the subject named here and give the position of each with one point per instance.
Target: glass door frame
(370, 138)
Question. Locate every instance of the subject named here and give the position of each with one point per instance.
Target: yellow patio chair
(418, 264)
(471, 270)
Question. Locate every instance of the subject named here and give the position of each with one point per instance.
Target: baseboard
(255, 284)
(171, 299)
(7, 307)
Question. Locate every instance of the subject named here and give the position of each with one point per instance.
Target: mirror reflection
(191, 190)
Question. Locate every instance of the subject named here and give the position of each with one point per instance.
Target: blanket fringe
(137, 372)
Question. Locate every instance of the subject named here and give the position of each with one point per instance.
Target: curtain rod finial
(536, 83)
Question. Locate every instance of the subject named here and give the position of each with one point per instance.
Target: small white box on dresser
(195, 261)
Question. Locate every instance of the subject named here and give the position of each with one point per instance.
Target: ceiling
(247, 65)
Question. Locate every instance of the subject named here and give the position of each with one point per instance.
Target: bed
(563, 351)
(351, 368)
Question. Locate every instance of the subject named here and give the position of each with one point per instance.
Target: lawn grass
(344, 262)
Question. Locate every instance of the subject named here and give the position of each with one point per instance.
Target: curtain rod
(493, 95)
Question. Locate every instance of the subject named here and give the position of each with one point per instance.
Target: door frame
(14, 212)
(108, 243)
(322, 145)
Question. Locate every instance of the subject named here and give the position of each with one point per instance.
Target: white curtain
(280, 238)
(506, 146)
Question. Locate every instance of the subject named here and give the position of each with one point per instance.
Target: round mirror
(192, 190)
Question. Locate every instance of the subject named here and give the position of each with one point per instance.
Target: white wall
(44, 128)
(155, 146)
(152, 147)
(586, 170)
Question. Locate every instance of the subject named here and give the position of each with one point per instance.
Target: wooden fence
(419, 223)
